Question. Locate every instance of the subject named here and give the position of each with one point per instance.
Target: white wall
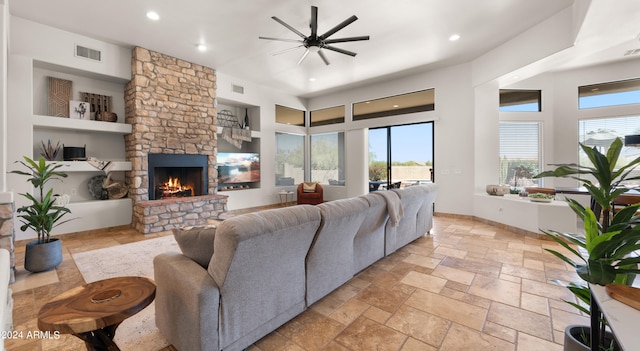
(4, 43)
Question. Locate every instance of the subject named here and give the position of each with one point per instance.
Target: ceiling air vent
(91, 54)
(632, 52)
(237, 89)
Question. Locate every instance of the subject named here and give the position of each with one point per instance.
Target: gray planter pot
(574, 334)
(41, 257)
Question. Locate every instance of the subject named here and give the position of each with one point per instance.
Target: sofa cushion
(196, 242)
(330, 259)
(259, 267)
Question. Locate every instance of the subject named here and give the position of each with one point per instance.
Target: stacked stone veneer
(171, 106)
(7, 235)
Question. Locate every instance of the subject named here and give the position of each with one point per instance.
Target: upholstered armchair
(310, 193)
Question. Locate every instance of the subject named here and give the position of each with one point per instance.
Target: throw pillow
(308, 187)
(196, 243)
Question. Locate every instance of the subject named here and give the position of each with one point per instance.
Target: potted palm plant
(602, 255)
(42, 214)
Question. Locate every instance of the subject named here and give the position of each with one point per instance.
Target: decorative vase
(41, 257)
(246, 118)
(575, 334)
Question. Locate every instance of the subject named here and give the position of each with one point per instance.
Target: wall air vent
(237, 89)
(91, 54)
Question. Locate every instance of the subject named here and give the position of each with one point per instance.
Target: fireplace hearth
(172, 176)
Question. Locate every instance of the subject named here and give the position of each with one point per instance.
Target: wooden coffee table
(92, 312)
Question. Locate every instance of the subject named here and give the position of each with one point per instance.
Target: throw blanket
(394, 206)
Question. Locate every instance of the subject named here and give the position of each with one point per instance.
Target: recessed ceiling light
(312, 79)
(202, 47)
(153, 15)
(454, 37)
(396, 106)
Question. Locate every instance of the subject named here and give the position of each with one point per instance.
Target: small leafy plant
(42, 214)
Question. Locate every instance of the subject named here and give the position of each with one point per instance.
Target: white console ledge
(522, 213)
(623, 319)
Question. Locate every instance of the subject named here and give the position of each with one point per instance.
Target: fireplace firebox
(172, 175)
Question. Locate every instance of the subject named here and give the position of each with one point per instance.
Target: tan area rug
(138, 332)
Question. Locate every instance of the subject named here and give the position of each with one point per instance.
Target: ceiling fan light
(152, 15)
(314, 49)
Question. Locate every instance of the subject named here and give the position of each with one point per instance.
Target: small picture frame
(79, 110)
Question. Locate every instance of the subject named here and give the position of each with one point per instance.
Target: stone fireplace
(170, 104)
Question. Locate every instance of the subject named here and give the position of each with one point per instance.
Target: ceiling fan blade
(306, 52)
(323, 57)
(342, 51)
(314, 21)
(343, 40)
(344, 23)
(280, 39)
(286, 50)
(288, 27)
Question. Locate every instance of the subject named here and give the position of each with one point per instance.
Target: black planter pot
(41, 257)
(575, 334)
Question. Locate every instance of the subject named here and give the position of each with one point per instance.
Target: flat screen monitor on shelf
(238, 168)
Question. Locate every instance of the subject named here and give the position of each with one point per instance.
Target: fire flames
(173, 188)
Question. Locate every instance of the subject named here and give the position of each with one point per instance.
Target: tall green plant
(609, 238)
(42, 214)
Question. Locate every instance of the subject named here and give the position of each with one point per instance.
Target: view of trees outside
(411, 153)
(327, 158)
(518, 173)
(289, 159)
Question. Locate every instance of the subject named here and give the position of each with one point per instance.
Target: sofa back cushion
(330, 259)
(369, 242)
(259, 266)
(417, 204)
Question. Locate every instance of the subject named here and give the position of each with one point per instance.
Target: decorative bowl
(498, 190)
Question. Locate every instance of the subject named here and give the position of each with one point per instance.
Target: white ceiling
(406, 35)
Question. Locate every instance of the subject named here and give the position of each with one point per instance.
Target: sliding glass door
(400, 156)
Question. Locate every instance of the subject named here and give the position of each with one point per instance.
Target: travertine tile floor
(467, 286)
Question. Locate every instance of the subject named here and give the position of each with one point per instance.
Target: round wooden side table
(92, 312)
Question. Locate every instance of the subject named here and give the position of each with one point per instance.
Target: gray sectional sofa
(269, 266)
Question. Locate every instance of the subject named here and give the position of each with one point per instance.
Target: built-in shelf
(254, 133)
(95, 214)
(80, 124)
(84, 166)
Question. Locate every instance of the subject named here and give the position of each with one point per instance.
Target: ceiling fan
(315, 42)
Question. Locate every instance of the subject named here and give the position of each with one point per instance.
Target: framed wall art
(79, 109)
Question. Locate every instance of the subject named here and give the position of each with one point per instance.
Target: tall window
(609, 94)
(520, 153)
(600, 133)
(327, 158)
(517, 100)
(289, 159)
(400, 156)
